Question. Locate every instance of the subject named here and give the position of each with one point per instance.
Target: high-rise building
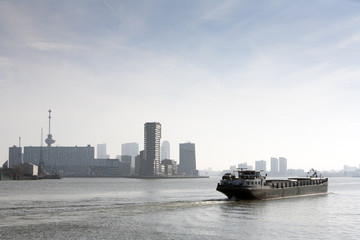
(101, 151)
(140, 164)
(282, 165)
(130, 149)
(187, 164)
(165, 150)
(152, 136)
(274, 165)
(15, 156)
(260, 165)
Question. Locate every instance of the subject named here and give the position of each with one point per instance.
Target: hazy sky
(243, 80)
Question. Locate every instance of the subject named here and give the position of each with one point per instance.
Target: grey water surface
(123, 208)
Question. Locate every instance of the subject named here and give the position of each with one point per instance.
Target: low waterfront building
(170, 167)
(29, 169)
(140, 164)
(72, 161)
(104, 167)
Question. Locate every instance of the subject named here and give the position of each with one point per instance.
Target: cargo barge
(250, 185)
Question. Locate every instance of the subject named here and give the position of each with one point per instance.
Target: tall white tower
(282, 165)
(101, 151)
(130, 149)
(165, 150)
(274, 165)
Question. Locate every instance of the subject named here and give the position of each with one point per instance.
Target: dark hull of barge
(274, 190)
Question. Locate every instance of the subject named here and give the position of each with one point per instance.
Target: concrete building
(15, 156)
(260, 165)
(187, 163)
(29, 169)
(112, 167)
(283, 165)
(105, 167)
(130, 149)
(24, 171)
(152, 136)
(245, 166)
(170, 167)
(140, 164)
(125, 165)
(71, 160)
(165, 150)
(274, 165)
(101, 151)
(125, 158)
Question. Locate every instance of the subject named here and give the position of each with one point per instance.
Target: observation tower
(49, 140)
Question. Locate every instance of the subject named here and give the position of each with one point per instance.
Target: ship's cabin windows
(228, 176)
(244, 174)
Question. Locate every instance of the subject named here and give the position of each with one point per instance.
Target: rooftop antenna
(49, 139)
(41, 146)
(20, 154)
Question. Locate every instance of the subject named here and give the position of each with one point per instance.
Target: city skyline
(126, 147)
(244, 80)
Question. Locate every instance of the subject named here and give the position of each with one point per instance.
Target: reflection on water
(169, 209)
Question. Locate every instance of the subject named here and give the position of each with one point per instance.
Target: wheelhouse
(249, 174)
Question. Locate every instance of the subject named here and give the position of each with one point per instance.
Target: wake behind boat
(249, 184)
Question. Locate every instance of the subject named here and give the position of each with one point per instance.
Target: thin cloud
(5, 62)
(221, 10)
(351, 41)
(53, 46)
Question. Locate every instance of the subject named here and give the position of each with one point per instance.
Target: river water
(122, 208)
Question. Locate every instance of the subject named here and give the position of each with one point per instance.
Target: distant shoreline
(140, 177)
(166, 177)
